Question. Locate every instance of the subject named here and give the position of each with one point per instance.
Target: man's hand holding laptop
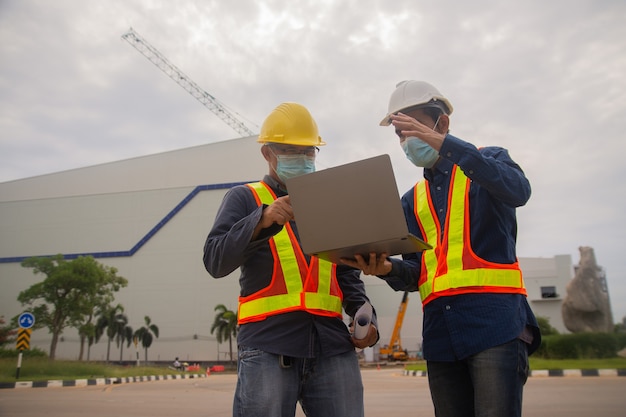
(375, 265)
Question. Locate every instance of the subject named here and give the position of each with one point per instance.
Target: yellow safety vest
(452, 267)
(295, 286)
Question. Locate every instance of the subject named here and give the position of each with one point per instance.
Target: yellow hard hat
(291, 124)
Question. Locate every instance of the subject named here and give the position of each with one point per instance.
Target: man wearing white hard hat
(293, 345)
(478, 327)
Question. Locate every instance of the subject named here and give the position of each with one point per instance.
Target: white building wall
(132, 215)
(545, 273)
(145, 217)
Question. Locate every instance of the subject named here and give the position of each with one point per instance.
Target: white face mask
(419, 152)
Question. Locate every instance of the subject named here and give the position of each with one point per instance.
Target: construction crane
(184, 81)
(393, 350)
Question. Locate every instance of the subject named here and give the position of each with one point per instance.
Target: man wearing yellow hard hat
(293, 344)
(478, 326)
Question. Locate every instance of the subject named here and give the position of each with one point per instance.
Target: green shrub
(31, 353)
(545, 327)
(581, 346)
(621, 340)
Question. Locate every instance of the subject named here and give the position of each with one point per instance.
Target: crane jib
(184, 81)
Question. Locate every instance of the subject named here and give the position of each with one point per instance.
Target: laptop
(351, 209)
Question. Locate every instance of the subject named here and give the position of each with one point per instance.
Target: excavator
(393, 351)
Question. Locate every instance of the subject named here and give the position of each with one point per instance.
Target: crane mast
(184, 81)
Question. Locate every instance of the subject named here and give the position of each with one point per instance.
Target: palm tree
(112, 320)
(125, 334)
(145, 335)
(226, 325)
(87, 332)
(95, 336)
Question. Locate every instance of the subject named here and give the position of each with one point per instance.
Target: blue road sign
(26, 320)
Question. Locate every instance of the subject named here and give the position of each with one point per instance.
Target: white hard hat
(412, 94)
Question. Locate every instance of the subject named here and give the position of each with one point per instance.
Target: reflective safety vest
(295, 286)
(452, 267)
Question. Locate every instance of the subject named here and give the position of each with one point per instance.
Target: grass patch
(42, 369)
(541, 364)
(608, 363)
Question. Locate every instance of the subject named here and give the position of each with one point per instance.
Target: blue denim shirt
(459, 326)
(297, 334)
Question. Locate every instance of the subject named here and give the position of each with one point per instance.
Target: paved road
(388, 393)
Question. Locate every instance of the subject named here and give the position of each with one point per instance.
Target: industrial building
(149, 217)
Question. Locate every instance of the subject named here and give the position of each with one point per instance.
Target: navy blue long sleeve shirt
(456, 327)
(229, 246)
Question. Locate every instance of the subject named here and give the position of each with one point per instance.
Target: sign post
(26, 322)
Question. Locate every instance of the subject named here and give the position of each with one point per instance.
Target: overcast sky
(544, 79)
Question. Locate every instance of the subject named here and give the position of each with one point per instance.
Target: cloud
(543, 79)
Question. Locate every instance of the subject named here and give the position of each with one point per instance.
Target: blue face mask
(289, 166)
(420, 153)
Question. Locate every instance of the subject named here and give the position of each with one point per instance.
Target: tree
(100, 299)
(88, 331)
(7, 333)
(110, 321)
(146, 335)
(124, 334)
(225, 324)
(69, 294)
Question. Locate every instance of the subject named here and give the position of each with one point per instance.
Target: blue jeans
(488, 384)
(325, 387)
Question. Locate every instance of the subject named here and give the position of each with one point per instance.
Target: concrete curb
(553, 372)
(95, 381)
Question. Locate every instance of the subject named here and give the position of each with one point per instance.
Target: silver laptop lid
(355, 206)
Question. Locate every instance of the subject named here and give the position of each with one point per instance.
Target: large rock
(586, 307)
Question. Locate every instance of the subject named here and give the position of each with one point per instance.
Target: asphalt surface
(388, 393)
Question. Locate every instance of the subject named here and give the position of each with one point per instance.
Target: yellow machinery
(393, 351)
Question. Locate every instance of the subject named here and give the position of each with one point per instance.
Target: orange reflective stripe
(451, 267)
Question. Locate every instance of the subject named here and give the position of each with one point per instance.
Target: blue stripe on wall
(116, 254)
